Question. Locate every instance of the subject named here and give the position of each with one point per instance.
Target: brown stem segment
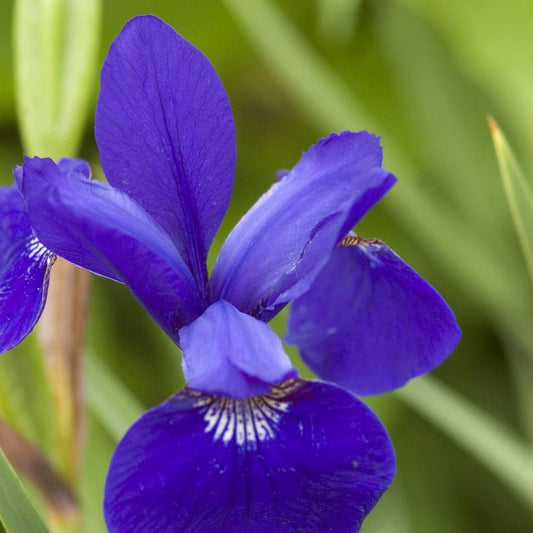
(61, 330)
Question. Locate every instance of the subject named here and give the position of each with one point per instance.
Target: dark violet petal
(166, 136)
(274, 252)
(24, 268)
(103, 230)
(231, 353)
(306, 458)
(370, 323)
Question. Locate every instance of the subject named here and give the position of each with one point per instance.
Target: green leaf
(17, 513)
(114, 406)
(475, 431)
(518, 192)
(56, 52)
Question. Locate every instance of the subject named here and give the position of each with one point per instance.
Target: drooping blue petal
(369, 322)
(103, 230)
(231, 353)
(24, 270)
(274, 252)
(166, 136)
(306, 458)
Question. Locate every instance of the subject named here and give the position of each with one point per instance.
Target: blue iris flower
(247, 446)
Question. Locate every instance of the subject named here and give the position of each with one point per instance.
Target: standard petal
(306, 458)
(231, 353)
(24, 268)
(103, 230)
(369, 322)
(166, 136)
(274, 252)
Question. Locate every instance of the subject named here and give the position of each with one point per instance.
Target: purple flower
(247, 446)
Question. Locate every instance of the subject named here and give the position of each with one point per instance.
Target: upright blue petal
(305, 458)
(103, 230)
(231, 353)
(166, 135)
(274, 252)
(24, 270)
(369, 322)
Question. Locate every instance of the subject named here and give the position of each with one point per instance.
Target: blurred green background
(423, 74)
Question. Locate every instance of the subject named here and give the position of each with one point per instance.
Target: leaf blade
(518, 192)
(17, 513)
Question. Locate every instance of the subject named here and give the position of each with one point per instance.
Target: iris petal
(228, 352)
(103, 230)
(166, 136)
(24, 270)
(79, 166)
(274, 252)
(307, 457)
(370, 323)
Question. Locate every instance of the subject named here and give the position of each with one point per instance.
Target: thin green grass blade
(17, 513)
(114, 406)
(475, 431)
(518, 193)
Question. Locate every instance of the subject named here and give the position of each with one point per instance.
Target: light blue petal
(228, 352)
(274, 252)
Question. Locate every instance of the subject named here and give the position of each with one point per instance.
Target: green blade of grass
(518, 193)
(17, 513)
(475, 431)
